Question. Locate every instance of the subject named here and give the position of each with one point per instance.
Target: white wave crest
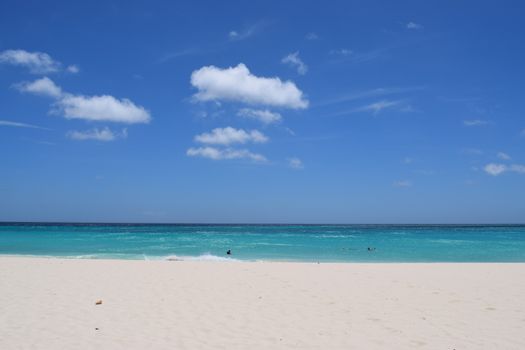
(203, 257)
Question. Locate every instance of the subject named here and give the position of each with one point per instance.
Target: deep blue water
(348, 243)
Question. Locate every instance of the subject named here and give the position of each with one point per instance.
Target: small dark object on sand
(229, 252)
(98, 302)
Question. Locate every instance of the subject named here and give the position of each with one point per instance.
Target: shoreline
(220, 259)
(50, 304)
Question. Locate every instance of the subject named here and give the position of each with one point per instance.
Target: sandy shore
(50, 304)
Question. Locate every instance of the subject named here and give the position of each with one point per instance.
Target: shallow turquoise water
(348, 243)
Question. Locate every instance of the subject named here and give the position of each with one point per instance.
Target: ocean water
(311, 243)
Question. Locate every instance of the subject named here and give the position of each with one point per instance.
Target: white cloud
(73, 69)
(20, 125)
(379, 106)
(44, 87)
(93, 108)
(229, 135)
(233, 34)
(408, 160)
(311, 36)
(295, 163)
(495, 169)
(102, 108)
(503, 155)
(224, 154)
(295, 61)
(413, 25)
(239, 85)
(475, 122)
(104, 135)
(36, 62)
(402, 183)
(263, 115)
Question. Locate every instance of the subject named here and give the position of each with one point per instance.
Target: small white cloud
(295, 61)
(408, 160)
(503, 156)
(20, 125)
(495, 169)
(229, 135)
(43, 86)
(311, 36)
(73, 69)
(224, 154)
(104, 135)
(36, 62)
(413, 25)
(263, 115)
(295, 163)
(379, 106)
(236, 35)
(475, 122)
(238, 84)
(402, 183)
(102, 108)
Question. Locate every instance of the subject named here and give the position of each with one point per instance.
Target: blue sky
(270, 111)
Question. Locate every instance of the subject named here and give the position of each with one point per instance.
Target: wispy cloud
(229, 135)
(471, 151)
(20, 125)
(181, 53)
(295, 163)
(348, 55)
(379, 106)
(476, 122)
(36, 62)
(414, 26)
(496, 169)
(295, 61)
(246, 32)
(378, 92)
(73, 69)
(238, 84)
(104, 135)
(503, 156)
(263, 115)
(311, 36)
(224, 154)
(402, 183)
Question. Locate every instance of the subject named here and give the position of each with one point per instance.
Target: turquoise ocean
(309, 243)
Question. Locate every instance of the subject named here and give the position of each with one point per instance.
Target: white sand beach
(50, 304)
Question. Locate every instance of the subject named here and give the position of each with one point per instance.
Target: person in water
(229, 252)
